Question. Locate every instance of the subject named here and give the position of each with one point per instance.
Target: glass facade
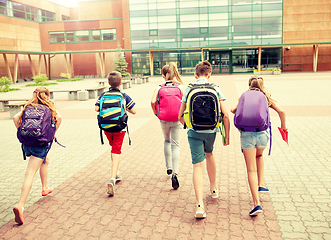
(82, 36)
(19, 10)
(183, 24)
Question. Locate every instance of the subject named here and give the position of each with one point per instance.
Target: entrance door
(215, 62)
(225, 62)
(221, 62)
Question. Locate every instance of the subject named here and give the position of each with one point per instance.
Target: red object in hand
(284, 134)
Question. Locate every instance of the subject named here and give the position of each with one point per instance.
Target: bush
(40, 79)
(65, 75)
(4, 84)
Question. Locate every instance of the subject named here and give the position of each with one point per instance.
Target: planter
(277, 72)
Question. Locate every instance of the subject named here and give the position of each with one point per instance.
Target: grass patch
(39, 84)
(70, 80)
(10, 89)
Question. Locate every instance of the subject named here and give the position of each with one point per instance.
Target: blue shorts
(200, 143)
(257, 140)
(39, 152)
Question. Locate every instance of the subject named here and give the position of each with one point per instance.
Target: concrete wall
(306, 21)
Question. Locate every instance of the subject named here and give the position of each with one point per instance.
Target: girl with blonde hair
(171, 129)
(38, 155)
(253, 145)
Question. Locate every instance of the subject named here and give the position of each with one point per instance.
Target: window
(203, 30)
(153, 32)
(65, 18)
(83, 36)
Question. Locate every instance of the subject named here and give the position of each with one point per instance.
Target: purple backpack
(252, 113)
(37, 128)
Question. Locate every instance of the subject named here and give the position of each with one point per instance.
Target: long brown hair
(40, 96)
(257, 83)
(170, 72)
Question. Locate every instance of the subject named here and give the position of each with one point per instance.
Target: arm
(58, 119)
(181, 111)
(16, 119)
(153, 101)
(132, 111)
(275, 106)
(233, 110)
(226, 122)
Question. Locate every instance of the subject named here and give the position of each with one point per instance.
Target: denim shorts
(257, 140)
(39, 152)
(200, 143)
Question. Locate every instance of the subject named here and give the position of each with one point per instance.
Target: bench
(4, 102)
(72, 94)
(94, 92)
(102, 83)
(126, 84)
(15, 108)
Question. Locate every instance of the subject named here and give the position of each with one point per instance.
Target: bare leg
(115, 158)
(198, 181)
(43, 174)
(30, 172)
(250, 159)
(260, 167)
(211, 170)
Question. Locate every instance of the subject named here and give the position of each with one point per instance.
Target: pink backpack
(168, 102)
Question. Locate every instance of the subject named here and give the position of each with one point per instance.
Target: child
(253, 145)
(115, 138)
(37, 154)
(202, 142)
(171, 129)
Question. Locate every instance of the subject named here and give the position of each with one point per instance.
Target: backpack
(168, 101)
(202, 107)
(37, 128)
(252, 113)
(112, 116)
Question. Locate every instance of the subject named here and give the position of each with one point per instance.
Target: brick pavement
(145, 206)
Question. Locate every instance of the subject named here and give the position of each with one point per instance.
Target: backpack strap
(101, 136)
(270, 140)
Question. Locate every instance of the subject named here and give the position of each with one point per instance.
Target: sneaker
(263, 189)
(118, 177)
(214, 194)
(111, 187)
(200, 212)
(169, 171)
(255, 211)
(174, 180)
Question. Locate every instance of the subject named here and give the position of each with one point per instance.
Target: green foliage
(120, 63)
(4, 84)
(65, 75)
(70, 80)
(38, 84)
(40, 79)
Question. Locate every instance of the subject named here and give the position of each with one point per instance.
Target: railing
(292, 69)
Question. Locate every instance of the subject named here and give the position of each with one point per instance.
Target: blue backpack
(113, 115)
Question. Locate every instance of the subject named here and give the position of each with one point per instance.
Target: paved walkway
(145, 206)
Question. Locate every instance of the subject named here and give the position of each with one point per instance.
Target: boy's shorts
(257, 140)
(200, 143)
(39, 152)
(115, 141)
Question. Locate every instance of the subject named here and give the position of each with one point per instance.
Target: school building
(236, 36)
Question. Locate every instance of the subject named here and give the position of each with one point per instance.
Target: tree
(120, 62)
